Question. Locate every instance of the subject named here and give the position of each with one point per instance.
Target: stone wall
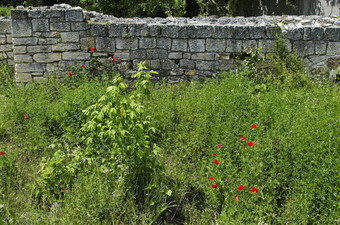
(48, 40)
(6, 50)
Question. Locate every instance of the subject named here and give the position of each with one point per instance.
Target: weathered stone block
(179, 45)
(76, 56)
(87, 43)
(196, 45)
(204, 65)
(105, 44)
(154, 30)
(3, 39)
(19, 14)
(5, 48)
(175, 55)
(25, 41)
(267, 45)
(186, 31)
(203, 31)
(48, 41)
(169, 31)
(156, 54)
(127, 43)
(35, 14)
(40, 25)
(21, 28)
(333, 48)
(242, 32)
(333, 33)
(313, 33)
(249, 45)
(187, 64)
(69, 37)
(233, 46)
(23, 77)
(303, 47)
(186, 55)
(47, 57)
(272, 32)
(122, 55)
(223, 31)
(118, 30)
(53, 13)
(99, 29)
(39, 48)
(19, 49)
(147, 43)
(50, 34)
(9, 38)
(5, 26)
(164, 43)
(168, 64)
(215, 45)
(203, 56)
(222, 56)
(29, 67)
(295, 34)
(84, 33)
(62, 47)
(80, 26)
(155, 64)
(74, 15)
(63, 26)
(137, 29)
(257, 32)
(138, 54)
(320, 47)
(23, 59)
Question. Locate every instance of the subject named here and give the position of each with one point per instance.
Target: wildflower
(250, 144)
(254, 126)
(219, 146)
(2, 153)
(243, 138)
(63, 190)
(6, 218)
(256, 143)
(114, 60)
(254, 190)
(214, 186)
(211, 178)
(237, 198)
(240, 188)
(82, 65)
(217, 162)
(75, 86)
(288, 199)
(92, 49)
(277, 141)
(215, 153)
(26, 117)
(227, 180)
(69, 74)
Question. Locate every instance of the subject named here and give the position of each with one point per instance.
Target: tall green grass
(5, 11)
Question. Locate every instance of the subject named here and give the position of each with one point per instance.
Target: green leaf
(169, 192)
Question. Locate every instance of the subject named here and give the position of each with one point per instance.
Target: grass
(52, 175)
(5, 11)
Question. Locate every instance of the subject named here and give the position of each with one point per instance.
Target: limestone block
(38, 78)
(233, 46)
(169, 31)
(5, 26)
(76, 56)
(104, 44)
(74, 15)
(313, 33)
(25, 41)
(63, 47)
(50, 35)
(203, 56)
(118, 30)
(242, 32)
(196, 45)
(10, 54)
(257, 32)
(19, 49)
(154, 30)
(21, 28)
(80, 26)
(29, 67)
(23, 77)
(333, 48)
(147, 43)
(249, 45)
(266, 45)
(127, 43)
(203, 31)
(138, 54)
(272, 32)
(155, 64)
(215, 45)
(156, 54)
(23, 59)
(137, 29)
(333, 33)
(62, 26)
(222, 56)
(19, 14)
(320, 47)
(69, 37)
(84, 33)
(175, 55)
(87, 43)
(122, 55)
(48, 41)
(5, 48)
(39, 48)
(168, 64)
(164, 43)
(186, 55)
(222, 64)
(303, 47)
(295, 34)
(99, 29)
(204, 65)
(186, 31)
(40, 25)
(36, 14)
(223, 31)
(3, 39)
(179, 45)
(187, 64)
(9, 38)
(53, 13)
(47, 57)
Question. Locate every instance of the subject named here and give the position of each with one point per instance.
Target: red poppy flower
(75, 86)
(288, 199)
(277, 140)
(256, 143)
(240, 188)
(26, 117)
(219, 146)
(243, 138)
(211, 178)
(92, 49)
(2, 153)
(82, 65)
(250, 144)
(217, 162)
(114, 60)
(215, 153)
(254, 126)
(254, 190)
(69, 74)
(63, 190)
(214, 186)
(227, 180)
(237, 198)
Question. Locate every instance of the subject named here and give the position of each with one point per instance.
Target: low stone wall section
(49, 40)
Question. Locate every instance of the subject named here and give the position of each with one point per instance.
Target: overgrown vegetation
(86, 150)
